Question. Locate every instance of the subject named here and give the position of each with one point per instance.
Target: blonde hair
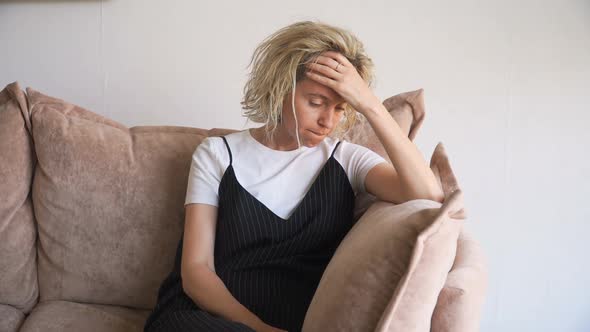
(278, 63)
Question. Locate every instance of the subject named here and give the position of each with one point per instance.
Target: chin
(310, 143)
(310, 139)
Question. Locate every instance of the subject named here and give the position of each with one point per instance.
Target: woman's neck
(282, 140)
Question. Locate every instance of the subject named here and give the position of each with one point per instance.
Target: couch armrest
(18, 232)
(460, 302)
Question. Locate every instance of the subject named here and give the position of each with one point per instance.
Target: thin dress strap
(228, 150)
(332, 155)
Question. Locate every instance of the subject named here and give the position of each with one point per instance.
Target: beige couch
(91, 212)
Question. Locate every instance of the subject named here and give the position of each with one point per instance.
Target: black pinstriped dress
(270, 265)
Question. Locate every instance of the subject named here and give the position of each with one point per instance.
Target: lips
(317, 133)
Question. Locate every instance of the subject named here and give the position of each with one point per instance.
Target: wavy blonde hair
(278, 63)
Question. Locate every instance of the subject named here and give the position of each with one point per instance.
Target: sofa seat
(12, 318)
(57, 316)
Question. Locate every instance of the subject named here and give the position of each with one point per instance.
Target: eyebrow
(321, 96)
(318, 95)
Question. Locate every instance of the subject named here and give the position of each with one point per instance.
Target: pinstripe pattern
(270, 265)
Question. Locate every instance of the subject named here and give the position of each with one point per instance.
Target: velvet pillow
(108, 201)
(18, 266)
(387, 273)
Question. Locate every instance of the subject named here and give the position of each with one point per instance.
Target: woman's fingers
(345, 81)
(326, 60)
(325, 70)
(335, 58)
(321, 79)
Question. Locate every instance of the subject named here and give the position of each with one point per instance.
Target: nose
(327, 117)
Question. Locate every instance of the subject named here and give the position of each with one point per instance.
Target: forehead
(311, 88)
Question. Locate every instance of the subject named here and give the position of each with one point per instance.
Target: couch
(91, 212)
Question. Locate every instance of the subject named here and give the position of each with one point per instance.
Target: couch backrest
(18, 269)
(109, 203)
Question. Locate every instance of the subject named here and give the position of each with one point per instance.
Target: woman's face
(319, 110)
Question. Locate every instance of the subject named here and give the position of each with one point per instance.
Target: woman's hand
(333, 70)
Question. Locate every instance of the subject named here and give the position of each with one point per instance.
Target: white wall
(507, 87)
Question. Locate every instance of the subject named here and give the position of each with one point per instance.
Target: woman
(267, 207)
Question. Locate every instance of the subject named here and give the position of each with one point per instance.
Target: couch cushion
(109, 202)
(18, 279)
(389, 269)
(62, 316)
(412, 304)
(460, 302)
(11, 318)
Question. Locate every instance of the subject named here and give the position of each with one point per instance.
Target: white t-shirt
(278, 179)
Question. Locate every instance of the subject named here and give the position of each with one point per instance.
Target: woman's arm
(199, 280)
(409, 177)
